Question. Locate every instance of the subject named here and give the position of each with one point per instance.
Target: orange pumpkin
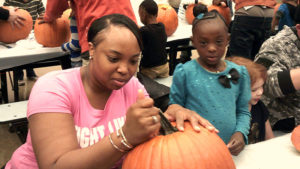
(168, 16)
(8, 34)
(295, 137)
(224, 11)
(52, 34)
(189, 14)
(181, 150)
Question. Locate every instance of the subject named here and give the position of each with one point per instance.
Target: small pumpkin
(189, 14)
(181, 150)
(8, 34)
(168, 16)
(223, 10)
(52, 34)
(295, 137)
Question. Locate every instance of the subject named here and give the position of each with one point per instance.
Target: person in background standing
(251, 27)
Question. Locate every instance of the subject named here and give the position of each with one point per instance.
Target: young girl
(218, 90)
(77, 116)
(260, 128)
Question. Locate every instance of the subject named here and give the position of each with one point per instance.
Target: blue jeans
(247, 35)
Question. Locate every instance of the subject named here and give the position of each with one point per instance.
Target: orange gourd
(223, 10)
(52, 34)
(168, 16)
(295, 137)
(181, 150)
(8, 34)
(189, 14)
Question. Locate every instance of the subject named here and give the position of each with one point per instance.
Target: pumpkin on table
(223, 10)
(52, 34)
(8, 34)
(168, 16)
(189, 13)
(181, 150)
(295, 137)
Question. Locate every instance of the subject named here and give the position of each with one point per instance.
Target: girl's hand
(15, 19)
(140, 125)
(179, 114)
(236, 143)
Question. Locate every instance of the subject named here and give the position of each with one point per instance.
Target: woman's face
(115, 56)
(256, 91)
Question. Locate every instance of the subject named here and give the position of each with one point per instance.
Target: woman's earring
(91, 58)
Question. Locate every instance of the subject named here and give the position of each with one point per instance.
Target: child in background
(73, 46)
(154, 63)
(217, 89)
(35, 8)
(284, 15)
(260, 128)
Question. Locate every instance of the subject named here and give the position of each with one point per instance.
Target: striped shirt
(73, 46)
(34, 7)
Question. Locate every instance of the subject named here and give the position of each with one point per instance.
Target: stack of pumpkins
(51, 34)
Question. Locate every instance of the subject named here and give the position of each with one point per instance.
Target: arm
(268, 132)
(61, 150)
(177, 111)
(4, 14)
(276, 58)
(279, 14)
(240, 137)
(54, 9)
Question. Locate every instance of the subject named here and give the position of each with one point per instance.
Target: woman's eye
(113, 59)
(133, 62)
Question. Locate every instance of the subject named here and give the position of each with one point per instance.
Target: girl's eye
(113, 59)
(219, 42)
(202, 43)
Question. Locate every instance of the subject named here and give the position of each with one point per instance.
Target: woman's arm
(55, 141)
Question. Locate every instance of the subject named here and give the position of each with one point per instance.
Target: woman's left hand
(179, 114)
(236, 143)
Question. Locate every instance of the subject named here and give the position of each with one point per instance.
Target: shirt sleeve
(4, 14)
(271, 56)
(178, 87)
(54, 9)
(242, 104)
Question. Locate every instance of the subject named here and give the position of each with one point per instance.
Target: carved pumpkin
(168, 16)
(8, 34)
(52, 34)
(181, 150)
(224, 11)
(295, 137)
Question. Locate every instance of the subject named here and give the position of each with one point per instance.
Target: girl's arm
(268, 131)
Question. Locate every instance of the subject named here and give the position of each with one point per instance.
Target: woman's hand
(14, 19)
(179, 114)
(236, 143)
(142, 120)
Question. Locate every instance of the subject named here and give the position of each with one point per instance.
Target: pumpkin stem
(166, 126)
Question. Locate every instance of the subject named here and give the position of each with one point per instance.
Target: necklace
(219, 69)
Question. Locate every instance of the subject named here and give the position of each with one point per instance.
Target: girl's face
(115, 57)
(210, 38)
(256, 91)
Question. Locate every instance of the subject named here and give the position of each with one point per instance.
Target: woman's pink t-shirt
(63, 92)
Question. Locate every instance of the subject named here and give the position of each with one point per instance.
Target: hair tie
(200, 16)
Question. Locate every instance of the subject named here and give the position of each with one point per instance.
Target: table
(27, 53)
(276, 153)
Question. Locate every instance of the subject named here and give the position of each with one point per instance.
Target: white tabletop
(25, 52)
(277, 153)
(13, 111)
